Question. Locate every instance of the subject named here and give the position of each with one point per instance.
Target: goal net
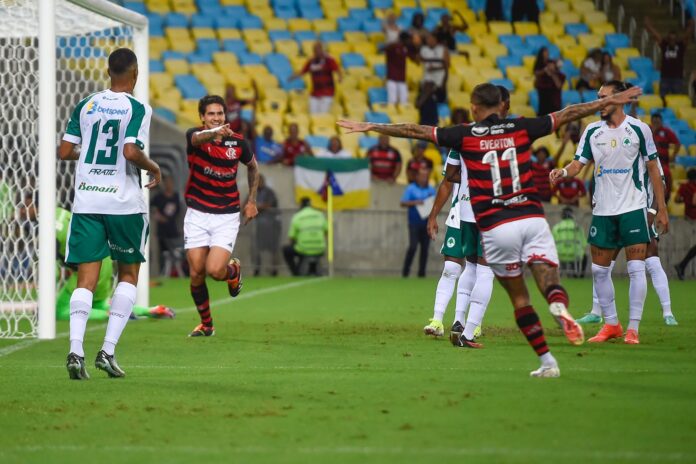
(85, 33)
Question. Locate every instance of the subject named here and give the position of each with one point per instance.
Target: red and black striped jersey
(212, 182)
(497, 155)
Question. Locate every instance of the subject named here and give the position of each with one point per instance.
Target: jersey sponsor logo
(480, 131)
(634, 231)
(118, 249)
(450, 242)
(98, 188)
(103, 172)
(208, 171)
(601, 171)
(94, 107)
(510, 201)
(230, 143)
(497, 144)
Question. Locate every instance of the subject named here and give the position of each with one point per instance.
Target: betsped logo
(94, 107)
(601, 171)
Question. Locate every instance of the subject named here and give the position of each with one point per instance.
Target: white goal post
(53, 54)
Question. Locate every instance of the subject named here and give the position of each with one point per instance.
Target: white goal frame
(47, 145)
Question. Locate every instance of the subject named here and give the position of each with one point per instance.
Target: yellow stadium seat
(481, 62)
(160, 7)
(231, 2)
(552, 30)
(602, 28)
(458, 61)
(176, 66)
(157, 45)
(261, 47)
(275, 24)
(590, 41)
(187, 7)
(490, 73)
(628, 74)
(476, 29)
(359, 71)
(299, 24)
(515, 73)
(524, 111)
(674, 208)
(376, 38)
(324, 25)
(355, 36)
(499, 28)
(224, 34)
(528, 62)
(365, 48)
(525, 83)
(170, 99)
(349, 4)
(399, 4)
(372, 59)
(335, 49)
(270, 105)
(574, 53)
(176, 33)
(427, 4)
(519, 98)
(547, 17)
(203, 33)
(650, 102)
(525, 28)
(367, 82)
(563, 41)
(485, 40)
(495, 50)
(307, 47)
(582, 6)
(594, 17)
(225, 60)
(287, 47)
(469, 49)
(677, 101)
(254, 35)
(265, 83)
(560, 8)
(335, 12)
(454, 82)
(200, 70)
(692, 150)
(238, 79)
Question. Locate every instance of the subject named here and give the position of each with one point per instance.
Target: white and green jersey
(460, 194)
(105, 182)
(649, 186)
(619, 155)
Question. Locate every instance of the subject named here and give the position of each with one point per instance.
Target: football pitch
(338, 370)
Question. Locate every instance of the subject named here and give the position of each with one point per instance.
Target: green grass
(339, 371)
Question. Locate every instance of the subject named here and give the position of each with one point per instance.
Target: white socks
(605, 293)
(480, 296)
(596, 309)
(659, 281)
(80, 307)
(637, 290)
(464, 288)
(445, 288)
(121, 307)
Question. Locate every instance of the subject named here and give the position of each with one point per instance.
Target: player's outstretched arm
(67, 152)
(136, 156)
(571, 170)
(205, 136)
(661, 219)
(580, 110)
(408, 131)
(444, 190)
(250, 209)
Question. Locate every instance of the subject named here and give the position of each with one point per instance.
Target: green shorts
(93, 237)
(620, 231)
(462, 242)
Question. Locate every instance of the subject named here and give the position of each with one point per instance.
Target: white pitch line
(263, 291)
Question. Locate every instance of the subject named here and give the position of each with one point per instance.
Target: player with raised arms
(508, 211)
(212, 218)
(109, 210)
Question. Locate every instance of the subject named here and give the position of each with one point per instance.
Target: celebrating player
(621, 148)
(109, 211)
(508, 212)
(212, 219)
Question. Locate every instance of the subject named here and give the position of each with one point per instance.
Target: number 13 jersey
(497, 156)
(105, 182)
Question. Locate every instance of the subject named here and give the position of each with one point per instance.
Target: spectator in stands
(396, 54)
(610, 71)
(548, 80)
(569, 191)
(494, 10)
(459, 116)
(267, 227)
(414, 196)
(322, 68)
(391, 29)
(334, 150)
(673, 49)
(417, 30)
(435, 60)
(525, 10)
(267, 150)
(385, 161)
(541, 168)
(687, 195)
(167, 206)
(248, 131)
(294, 146)
(234, 107)
(446, 30)
(418, 161)
(571, 243)
(692, 87)
(307, 234)
(571, 134)
(590, 71)
(427, 104)
(664, 137)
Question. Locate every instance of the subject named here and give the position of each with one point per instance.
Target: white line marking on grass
(262, 291)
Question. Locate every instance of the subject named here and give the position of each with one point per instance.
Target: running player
(508, 213)
(212, 219)
(109, 211)
(621, 148)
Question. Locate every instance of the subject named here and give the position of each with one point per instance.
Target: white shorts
(509, 246)
(320, 105)
(209, 230)
(397, 92)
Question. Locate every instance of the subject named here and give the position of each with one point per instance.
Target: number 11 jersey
(105, 182)
(497, 156)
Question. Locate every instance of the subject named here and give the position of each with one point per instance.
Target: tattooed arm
(580, 110)
(409, 131)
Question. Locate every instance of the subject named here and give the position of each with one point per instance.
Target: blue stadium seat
(209, 7)
(285, 12)
(283, 3)
(199, 20)
(172, 55)
(614, 41)
(351, 60)
(138, 7)
(377, 95)
(360, 14)
(208, 45)
(276, 59)
(537, 41)
(476, 5)
(534, 100)
(301, 36)
(435, 14)
(640, 64)
(504, 61)
(176, 20)
(247, 114)
(588, 96)
(226, 22)
(569, 69)
(314, 3)
(156, 66)
(165, 114)
(641, 82)
(462, 38)
(155, 29)
(190, 86)
(570, 97)
(408, 12)
(366, 142)
(287, 85)
(381, 4)
(377, 117)
(443, 110)
(510, 40)
(507, 83)
(430, 23)
(331, 36)
(236, 46)
(311, 12)
(554, 51)
(236, 11)
(380, 70)
(317, 141)
(279, 35)
(249, 58)
(686, 161)
(576, 29)
(372, 25)
(349, 24)
(251, 22)
(521, 50)
(200, 57)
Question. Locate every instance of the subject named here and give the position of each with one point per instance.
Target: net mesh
(83, 41)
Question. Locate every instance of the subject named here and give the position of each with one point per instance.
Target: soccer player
(508, 213)
(212, 218)
(621, 148)
(109, 211)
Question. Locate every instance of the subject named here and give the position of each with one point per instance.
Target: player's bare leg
(530, 325)
(548, 282)
(196, 258)
(221, 266)
(452, 269)
(601, 278)
(80, 307)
